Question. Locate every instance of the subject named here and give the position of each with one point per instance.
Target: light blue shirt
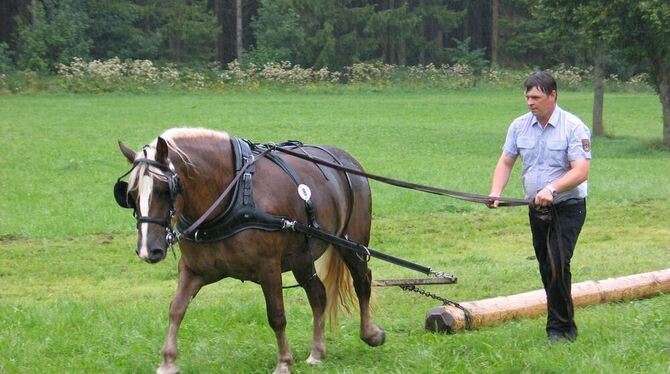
(547, 152)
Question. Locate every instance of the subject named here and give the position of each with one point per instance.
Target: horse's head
(151, 191)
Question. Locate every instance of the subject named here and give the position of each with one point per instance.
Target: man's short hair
(542, 80)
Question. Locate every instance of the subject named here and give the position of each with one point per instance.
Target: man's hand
(493, 202)
(544, 198)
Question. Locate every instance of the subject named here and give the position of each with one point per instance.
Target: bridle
(174, 186)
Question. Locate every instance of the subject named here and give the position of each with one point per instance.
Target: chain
(445, 301)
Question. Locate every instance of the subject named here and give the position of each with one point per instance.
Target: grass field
(74, 298)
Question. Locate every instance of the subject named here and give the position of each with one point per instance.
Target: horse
(180, 175)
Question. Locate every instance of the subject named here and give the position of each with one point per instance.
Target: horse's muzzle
(153, 255)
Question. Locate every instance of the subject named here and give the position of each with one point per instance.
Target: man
(555, 148)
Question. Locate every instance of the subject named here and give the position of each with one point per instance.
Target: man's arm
(579, 172)
(500, 178)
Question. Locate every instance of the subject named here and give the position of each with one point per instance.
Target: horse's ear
(129, 153)
(161, 150)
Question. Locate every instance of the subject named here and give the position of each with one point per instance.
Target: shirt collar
(553, 120)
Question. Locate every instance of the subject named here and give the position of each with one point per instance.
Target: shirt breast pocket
(557, 153)
(526, 147)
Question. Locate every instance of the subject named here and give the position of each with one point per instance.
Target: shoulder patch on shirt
(586, 145)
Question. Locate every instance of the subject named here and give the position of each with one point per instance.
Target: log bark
(532, 304)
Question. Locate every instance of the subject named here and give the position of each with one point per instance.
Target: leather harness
(241, 213)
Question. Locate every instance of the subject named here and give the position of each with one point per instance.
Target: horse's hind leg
(370, 333)
(316, 294)
(187, 288)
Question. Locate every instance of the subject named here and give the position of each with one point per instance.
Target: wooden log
(532, 304)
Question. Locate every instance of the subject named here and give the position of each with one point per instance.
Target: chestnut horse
(184, 171)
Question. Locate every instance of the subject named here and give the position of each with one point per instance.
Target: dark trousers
(566, 223)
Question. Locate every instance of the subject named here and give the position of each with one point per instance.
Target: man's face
(539, 103)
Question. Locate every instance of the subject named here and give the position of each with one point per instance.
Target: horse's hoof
(168, 369)
(313, 361)
(377, 339)
(282, 368)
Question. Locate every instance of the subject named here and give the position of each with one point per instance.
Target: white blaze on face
(145, 188)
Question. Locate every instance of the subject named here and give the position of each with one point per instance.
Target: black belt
(573, 201)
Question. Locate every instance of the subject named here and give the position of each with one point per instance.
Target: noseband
(121, 196)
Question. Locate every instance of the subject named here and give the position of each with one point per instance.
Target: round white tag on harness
(304, 192)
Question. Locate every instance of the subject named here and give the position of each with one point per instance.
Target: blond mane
(171, 137)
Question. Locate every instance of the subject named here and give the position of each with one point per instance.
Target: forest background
(445, 43)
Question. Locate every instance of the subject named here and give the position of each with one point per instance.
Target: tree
(495, 12)
(528, 36)
(188, 29)
(393, 28)
(238, 29)
(437, 22)
(640, 29)
(120, 28)
(55, 32)
(279, 35)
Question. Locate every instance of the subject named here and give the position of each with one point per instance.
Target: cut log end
(439, 320)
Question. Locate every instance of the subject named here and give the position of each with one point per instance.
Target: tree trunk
(494, 32)
(664, 95)
(599, 90)
(402, 52)
(238, 28)
(220, 41)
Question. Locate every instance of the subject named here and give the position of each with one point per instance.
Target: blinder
(121, 195)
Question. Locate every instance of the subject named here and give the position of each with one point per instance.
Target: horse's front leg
(271, 283)
(187, 288)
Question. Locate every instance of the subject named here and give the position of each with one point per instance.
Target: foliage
(523, 39)
(464, 55)
(143, 75)
(120, 28)
(640, 29)
(188, 30)
(55, 34)
(5, 59)
(334, 32)
(279, 36)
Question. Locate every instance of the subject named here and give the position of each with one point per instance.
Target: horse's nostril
(156, 254)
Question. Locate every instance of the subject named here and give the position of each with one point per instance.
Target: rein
(483, 199)
(412, 186)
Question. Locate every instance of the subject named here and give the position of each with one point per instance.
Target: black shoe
(557, 337)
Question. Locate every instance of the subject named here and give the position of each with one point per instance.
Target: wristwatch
(552, 190)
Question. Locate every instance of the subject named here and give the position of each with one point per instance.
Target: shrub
(6, 65)
(142, 75)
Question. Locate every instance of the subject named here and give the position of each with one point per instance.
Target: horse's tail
(336, 279)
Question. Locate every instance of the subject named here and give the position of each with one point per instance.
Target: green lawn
(74, 298)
